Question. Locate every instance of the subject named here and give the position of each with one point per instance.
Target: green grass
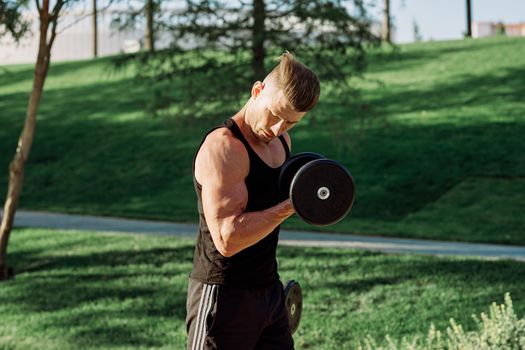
(437, 123)
(86, 290)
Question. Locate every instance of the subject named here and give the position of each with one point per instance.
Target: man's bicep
(222, 204)
(224, 192)
(221, 200)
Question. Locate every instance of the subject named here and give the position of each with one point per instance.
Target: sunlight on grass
(87, 290)
(428, 116)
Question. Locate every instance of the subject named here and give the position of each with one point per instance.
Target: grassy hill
(435, 143)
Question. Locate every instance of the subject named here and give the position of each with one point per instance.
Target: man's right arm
(221, 167)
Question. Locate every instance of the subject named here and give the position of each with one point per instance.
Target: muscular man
(235, 298)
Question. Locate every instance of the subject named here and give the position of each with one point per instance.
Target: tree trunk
(385, 31)
(258, 36)
(16, 167)
(95, 30)
(150, 39)
(469, 19)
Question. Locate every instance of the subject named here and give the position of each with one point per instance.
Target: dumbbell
(321, 190)
(293, 299)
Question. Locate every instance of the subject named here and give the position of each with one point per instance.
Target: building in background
(515, 29)
(484, 29)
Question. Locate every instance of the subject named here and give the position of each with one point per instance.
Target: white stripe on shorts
(205, 305)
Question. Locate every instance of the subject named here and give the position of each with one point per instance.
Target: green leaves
(230, 45)
(11, 21)
(500, 329)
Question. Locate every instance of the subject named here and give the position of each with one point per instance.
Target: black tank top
(255, 265)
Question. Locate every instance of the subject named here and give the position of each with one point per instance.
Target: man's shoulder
(222, 152)
(222, 139)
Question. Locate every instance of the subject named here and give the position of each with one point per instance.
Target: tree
(225, 45)
(95, 29)
(417, 32)
(48, 31)
(386, 27)
(142, 16)
(150, 31)
(258, 52)
(469, 20)
(500, 28)
(11, 21)
(315, 26)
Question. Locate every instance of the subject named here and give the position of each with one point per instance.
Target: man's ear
(257, 88)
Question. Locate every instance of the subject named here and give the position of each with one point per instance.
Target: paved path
(289, 238)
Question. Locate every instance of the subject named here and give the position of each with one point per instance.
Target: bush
(501, 329)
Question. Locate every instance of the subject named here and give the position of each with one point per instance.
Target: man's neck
(246, 129)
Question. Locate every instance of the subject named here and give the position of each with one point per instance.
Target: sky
(446, 19)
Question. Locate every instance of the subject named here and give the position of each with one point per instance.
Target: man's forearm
(243, 231)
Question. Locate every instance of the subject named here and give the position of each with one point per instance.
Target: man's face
(271, 112)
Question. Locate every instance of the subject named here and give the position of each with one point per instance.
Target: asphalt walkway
(26, 218)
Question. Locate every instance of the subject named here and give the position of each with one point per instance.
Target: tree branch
(54, 22)
(56, 9)
(84, 16)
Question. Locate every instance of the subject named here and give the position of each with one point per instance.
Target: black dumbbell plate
(322, 192)
(294, 304)
(290, 167)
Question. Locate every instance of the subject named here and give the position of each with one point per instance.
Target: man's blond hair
(299, 84)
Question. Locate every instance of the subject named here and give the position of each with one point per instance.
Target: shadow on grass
(71, 105)
(56, 271)
(403, 167)
(154, 257)
(15, 75)
(354, 293)
(112, 336)
(476, 272)
(88, 161)
(95, 152)
(363, 285)
(119, 298)
(361, 271)
(406, 58)
(118, 286)
(489, 91)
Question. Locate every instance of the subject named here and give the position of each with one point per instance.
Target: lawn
(435, 142)
(88, 290)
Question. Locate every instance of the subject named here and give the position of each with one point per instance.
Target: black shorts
(227, 318)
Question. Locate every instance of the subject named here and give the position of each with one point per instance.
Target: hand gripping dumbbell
(322, 191)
